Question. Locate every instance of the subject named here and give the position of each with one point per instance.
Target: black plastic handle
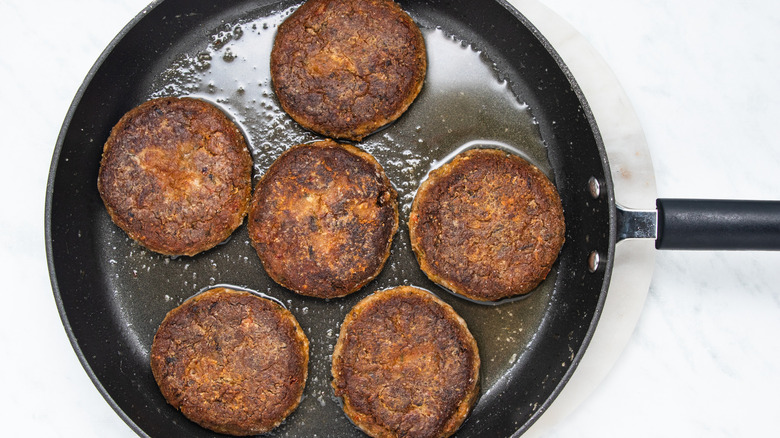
(718, 224)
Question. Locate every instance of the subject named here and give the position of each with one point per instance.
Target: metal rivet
(594, 187)
(594, 261)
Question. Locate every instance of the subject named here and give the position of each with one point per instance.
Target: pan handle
(718, 224)
(702, 224)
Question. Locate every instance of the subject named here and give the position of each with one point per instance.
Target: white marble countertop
(702, 79)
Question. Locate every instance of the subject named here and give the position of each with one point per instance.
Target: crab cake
(322, 219)
(345, 68)
(488, 225)
(176, 175)
(231, 361)
(406, 365)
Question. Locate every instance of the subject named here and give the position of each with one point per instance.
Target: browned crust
(344, 68)
(231, 361)
(322, 219)
(176, 175)
(488, 225)
(406, 365)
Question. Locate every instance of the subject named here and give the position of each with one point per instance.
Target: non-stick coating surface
(112, 294)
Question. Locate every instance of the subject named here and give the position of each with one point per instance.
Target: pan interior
(483, 89)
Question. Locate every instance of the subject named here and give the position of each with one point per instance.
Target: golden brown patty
(488, 225)
(345, 68)
(322, 219)
(406, 365)
(231, 361)
(176, 175)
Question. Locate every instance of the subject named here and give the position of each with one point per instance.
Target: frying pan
(112, 294)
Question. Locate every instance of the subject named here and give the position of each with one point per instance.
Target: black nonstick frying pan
(493, 81)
